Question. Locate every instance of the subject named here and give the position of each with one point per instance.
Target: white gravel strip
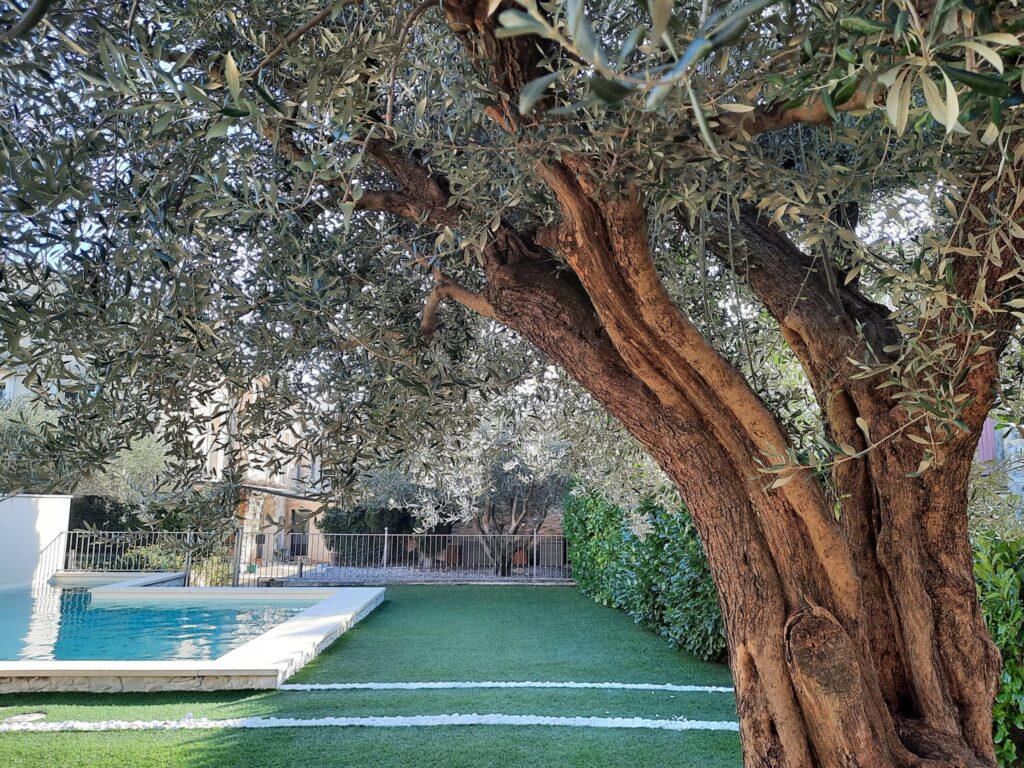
(503, 684)
(414, 721)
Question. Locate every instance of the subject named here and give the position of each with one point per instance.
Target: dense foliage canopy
(197, 197)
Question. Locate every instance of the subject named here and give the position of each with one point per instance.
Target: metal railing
(244, 558)
(205, 558)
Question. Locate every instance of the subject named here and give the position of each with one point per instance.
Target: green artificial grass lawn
(468, 747)
(503, 633)
(425, 633)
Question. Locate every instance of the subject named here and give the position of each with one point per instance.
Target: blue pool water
(64, 624)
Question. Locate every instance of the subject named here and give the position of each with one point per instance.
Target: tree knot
(555, 238)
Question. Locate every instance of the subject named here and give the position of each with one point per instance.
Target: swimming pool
(142, 635)
(64, 624)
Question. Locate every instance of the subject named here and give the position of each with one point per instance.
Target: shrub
(212, 564)
(690, 618)
(659, 576)
(593, 532)
(662, 579)
(215, 569)
(999, 571)
(362, 519)
(152, 557)
(367, 519)
(103, 514)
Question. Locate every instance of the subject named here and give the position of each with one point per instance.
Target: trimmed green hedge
(999, 572)
(662, 580)
(660, 577)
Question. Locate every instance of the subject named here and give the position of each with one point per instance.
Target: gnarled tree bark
(855, 638)
(855, 642)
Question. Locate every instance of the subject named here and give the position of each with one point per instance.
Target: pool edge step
(263, 662)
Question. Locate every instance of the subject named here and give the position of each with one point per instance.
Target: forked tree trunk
(495, 535)
(854, 633)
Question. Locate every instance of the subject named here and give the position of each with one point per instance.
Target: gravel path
(326, 575)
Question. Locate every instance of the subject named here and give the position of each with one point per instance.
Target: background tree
(392, 500)
(518, 502)
(132, 479)
(513, 473)
(135, 477)
(667, 200)
(504, 465)
(20, 425)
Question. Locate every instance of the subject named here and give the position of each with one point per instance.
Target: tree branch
(447, 288)
(415, 180)
(299, 32)
(605, 242)
(416, 12)
(511, 62)
(28, 20)
(830, 321)
(811, 112)
(284, 144)
(422, 197)
(524, 507)
(391, 201)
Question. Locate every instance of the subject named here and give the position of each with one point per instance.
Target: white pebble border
(413, 721)
(503, 684)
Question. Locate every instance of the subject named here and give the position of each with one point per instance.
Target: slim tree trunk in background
(495, 536)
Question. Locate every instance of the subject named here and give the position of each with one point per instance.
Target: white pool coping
(263, 662)
(96, 579)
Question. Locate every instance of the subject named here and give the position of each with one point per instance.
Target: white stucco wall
(28, 524)
(11, 384)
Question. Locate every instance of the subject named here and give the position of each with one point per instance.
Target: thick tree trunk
(854, 630)
(820, 682)
(855, 638)
(854, 641)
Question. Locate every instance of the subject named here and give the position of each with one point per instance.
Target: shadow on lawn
(138, 706)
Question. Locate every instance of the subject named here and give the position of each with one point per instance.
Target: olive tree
(132, 477)
(506, 475)
(373, 211)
